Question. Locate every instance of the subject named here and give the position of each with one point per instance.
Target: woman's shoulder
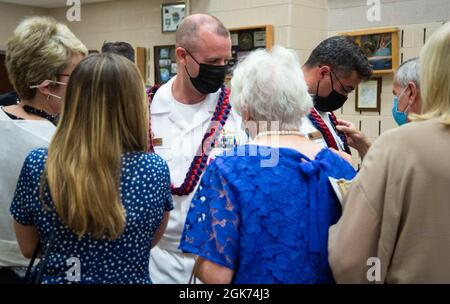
(250, 159)
(336, 164)
(327, 154)
(427, 130)
(420, 140)
(260, 155)
(231, 157)
(145, 157)
(34, 162)
(145, 160)
(37, 156)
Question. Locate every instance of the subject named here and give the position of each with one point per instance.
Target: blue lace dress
(265, 213)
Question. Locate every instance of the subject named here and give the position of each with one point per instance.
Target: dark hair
(343, 55)
(120, 48)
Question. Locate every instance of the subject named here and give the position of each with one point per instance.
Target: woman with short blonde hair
(40, 49)
(395, 217)
(95, 194)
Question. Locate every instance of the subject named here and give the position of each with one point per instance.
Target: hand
(356, 139)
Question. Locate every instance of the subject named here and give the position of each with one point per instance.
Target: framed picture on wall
(368, 95)
(141, 61)
(171, 16)
(381, 46)
(244, 40)
(165, 63)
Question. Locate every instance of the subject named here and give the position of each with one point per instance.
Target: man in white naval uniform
(333, 70)
(181, 112)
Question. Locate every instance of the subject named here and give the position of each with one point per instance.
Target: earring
(48, 97)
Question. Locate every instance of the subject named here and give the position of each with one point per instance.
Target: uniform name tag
(314, 135)
(157, 142)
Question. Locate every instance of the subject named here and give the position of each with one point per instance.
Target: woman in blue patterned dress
(262, 211)
(95, 201)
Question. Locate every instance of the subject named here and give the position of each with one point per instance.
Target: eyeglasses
(342, 86)
(45, 83)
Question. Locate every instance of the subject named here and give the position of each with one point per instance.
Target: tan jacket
(398, 209)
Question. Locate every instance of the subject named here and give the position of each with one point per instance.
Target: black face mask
(330, 103)
(210, 77)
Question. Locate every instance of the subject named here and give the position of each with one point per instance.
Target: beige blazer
(398, 210)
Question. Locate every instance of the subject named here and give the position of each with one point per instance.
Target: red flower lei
(199, 163)
(320, 124)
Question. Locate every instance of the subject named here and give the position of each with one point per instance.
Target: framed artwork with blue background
(381, 46)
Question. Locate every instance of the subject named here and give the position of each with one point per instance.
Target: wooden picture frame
(171, 16)
(164, 62)
(141, 61)
(247, 39)
(368, 95)
(381, 46)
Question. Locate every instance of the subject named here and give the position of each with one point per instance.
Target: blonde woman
(95, 200)
(395, 224)
(40, 56)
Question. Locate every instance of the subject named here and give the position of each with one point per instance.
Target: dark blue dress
(267, 223)
(145, 194)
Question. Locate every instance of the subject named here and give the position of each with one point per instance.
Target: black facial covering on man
(210, 77)
(330, 103)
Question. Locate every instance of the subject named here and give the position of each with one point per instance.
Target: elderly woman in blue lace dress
(262, 211)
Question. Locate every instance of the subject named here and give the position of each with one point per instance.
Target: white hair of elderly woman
(270, 87)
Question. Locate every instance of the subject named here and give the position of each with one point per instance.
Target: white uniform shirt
(18, 138)
(179, 138)
(307, 127)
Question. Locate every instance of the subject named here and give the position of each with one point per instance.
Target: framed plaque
(368, 95)
(244, 40)
(172, 15)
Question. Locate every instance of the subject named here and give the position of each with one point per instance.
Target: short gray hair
(271, 87)
(408, 71)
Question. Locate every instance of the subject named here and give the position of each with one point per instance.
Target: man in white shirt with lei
(192, 121)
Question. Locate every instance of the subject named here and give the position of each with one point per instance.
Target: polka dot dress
(145, 194)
